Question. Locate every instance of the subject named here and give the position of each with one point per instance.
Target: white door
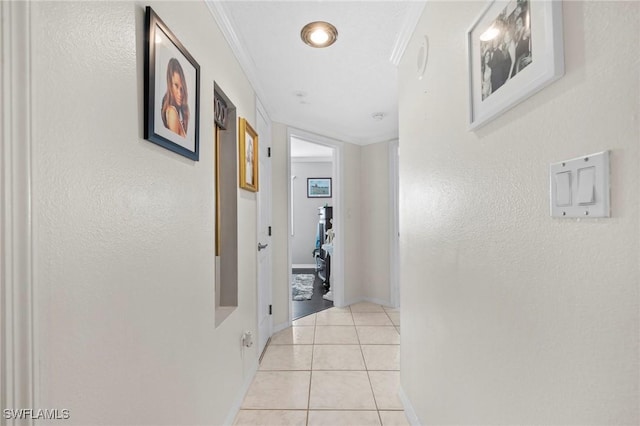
(265, 320)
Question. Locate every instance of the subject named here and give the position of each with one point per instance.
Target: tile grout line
(320, 409)
(315, 326)
(313, 346)
(368, 376)
(395, 327)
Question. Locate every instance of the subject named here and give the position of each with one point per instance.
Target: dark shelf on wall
(325, 214)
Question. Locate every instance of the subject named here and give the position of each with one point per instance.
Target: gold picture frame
(248, 148)
(217, 173)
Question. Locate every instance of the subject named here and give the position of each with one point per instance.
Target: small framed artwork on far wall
(318, 187)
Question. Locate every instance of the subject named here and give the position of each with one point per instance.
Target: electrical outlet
(247, 339)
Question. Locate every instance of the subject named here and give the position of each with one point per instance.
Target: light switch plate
(576, 167)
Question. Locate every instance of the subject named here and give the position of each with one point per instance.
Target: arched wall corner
(19, 376)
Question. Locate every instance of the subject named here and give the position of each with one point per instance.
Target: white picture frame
(495, 88)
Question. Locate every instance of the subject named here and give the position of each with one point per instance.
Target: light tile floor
(339, 367)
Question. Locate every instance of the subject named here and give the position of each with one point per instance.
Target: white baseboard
(280, 327)
(368, 299)
(351, 302)
(409, 411)
(304, 266)
(235, 407)
(378, 301)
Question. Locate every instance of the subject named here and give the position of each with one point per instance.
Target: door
(265, 320)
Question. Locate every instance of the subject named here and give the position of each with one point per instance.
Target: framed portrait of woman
(171, 89)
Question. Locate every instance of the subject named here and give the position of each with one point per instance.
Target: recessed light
(319, 34)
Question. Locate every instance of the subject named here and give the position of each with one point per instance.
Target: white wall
(305, 210)
(124, 229)
(510, 316)
(280, 239)
(374, 226)
(353, 264)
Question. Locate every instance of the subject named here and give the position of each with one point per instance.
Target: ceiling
(334, 91)
(301, 148)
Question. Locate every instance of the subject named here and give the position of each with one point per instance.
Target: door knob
(262, 246)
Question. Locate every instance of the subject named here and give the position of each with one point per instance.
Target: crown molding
(219, 12)
(408, 28)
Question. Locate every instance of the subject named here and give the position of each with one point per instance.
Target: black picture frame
(171, 118)
(319, 188)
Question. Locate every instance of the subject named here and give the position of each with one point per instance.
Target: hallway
(118, 305)
(337, 367)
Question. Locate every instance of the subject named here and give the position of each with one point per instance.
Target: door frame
(394, 224)
(261, 112)
(337, 259)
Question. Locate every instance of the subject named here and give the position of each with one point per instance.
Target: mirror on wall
(226, 201)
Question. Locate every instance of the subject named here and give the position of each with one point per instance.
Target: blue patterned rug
(302, 286)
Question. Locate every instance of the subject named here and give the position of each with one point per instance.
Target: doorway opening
(314, 224)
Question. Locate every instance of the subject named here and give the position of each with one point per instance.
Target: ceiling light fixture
(319, 34)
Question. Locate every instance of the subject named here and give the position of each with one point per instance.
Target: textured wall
(123, 229)
(510, 316)
(305, 210)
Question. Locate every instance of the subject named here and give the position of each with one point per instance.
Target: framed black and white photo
(172, 90)
(514, 49)
(318, 187)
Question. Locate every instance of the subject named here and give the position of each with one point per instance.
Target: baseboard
(280, 327)
(409, 411)
(370, 300)
(352, 301)
(235, 407)
(377, 301)
(303, 266)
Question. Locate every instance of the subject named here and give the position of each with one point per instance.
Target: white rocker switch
(563, 189)
(586, 186)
